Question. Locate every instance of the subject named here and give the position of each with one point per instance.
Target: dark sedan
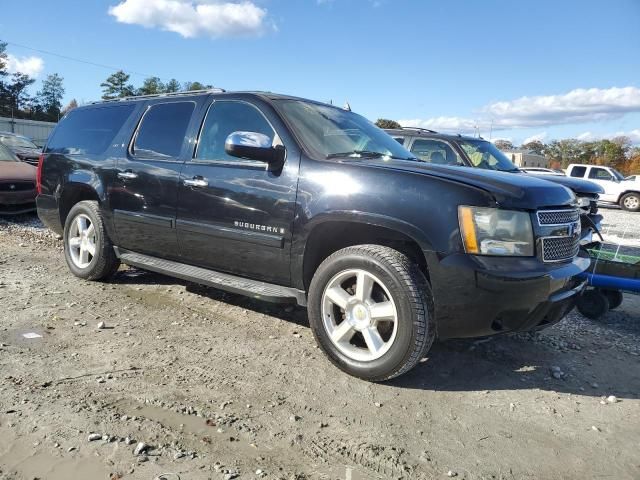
(22, 146)
(17, 184)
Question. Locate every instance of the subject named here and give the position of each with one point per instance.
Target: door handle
(127, 175)
(197, 182)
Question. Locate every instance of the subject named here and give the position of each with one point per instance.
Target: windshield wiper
(367, 154)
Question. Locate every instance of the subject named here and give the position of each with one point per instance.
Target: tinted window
(88, 131)
(400, 140)
(223, 119)
(578, 171)
(163, 128)
(599, 174)
(436, 152)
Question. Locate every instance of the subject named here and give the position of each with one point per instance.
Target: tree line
(618, 152)
(17, 102)
(117, 85)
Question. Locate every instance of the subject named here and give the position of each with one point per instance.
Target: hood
(17, 171)
(524, 192)
(27, 152)
(579, 186)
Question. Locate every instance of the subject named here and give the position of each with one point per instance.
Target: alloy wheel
(359, 315)
(82, 241)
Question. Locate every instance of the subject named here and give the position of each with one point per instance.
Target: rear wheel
(630, 202)
(593, 304)
(371, 311)
(614, 297)
(87, 248)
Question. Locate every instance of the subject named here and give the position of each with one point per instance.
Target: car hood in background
(17, 171)
(579, 186)
(526, 192)
(27, 152)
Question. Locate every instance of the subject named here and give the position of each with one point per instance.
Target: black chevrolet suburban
(291, 200)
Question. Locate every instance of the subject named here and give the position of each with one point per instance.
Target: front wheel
(87, 248)
(371, 311)
(630, 202)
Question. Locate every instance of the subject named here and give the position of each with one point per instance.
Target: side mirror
(255, 146)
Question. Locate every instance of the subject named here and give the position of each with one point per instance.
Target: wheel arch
(73, 193)
(334, 232)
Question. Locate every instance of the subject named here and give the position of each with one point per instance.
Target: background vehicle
(617, 189)
(290, 200)
(22, 146)
(458, 150)
(17, 184)
(541, 171)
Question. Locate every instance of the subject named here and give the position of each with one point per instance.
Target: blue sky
(449, 65)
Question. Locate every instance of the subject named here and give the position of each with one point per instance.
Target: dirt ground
(218, 387)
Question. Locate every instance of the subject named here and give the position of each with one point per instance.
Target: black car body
(22, 146)
(183, 188)
(429, 141)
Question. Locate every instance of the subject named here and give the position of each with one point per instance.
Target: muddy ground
(218, 386)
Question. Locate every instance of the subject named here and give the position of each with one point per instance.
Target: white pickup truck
(617, 189)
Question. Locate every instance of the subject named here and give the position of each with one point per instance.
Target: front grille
(16, 186)
(556, 249)
(558, 217)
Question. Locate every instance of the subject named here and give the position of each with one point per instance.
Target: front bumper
(477, 296)
(14, 203)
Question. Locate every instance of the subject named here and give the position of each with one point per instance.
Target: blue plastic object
(612, 283)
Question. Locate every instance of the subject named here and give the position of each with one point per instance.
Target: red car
(17, 184)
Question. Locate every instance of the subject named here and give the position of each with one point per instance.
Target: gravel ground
(194, 383)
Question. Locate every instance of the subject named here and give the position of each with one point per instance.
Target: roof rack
(419, 129)
(160, 95)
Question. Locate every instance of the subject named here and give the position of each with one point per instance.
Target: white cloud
(31, 66)
(193, 18)
(577, 106)
(539, 137)
(453, 124)
(633, 135)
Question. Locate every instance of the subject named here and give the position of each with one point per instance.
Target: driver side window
(599, 174)
(224, 118)
(435, 152)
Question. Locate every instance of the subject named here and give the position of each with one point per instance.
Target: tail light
(39, 174)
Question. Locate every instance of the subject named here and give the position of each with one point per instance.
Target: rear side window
(88, 131)
(162, 131)
(578, 172)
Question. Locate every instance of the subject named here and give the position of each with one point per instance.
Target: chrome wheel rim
(82, 241)
(359, 315)
(631, 202)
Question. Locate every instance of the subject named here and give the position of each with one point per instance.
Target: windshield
(7, 155)
(483, 154)
(330, 132)
(617, 174)
(17, 142)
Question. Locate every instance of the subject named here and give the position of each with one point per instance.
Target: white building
(526, 158)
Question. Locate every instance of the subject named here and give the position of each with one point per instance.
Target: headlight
(584, 202)
(491, 231)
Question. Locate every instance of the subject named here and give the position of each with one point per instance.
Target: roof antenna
(347, 107)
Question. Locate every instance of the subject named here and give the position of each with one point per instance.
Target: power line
(79, 60)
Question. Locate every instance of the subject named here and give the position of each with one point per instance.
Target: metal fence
(35, 130)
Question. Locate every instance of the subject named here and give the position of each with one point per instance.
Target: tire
(630, 202)
(593, 304)
(399, 307)
(614, 297)
(85, 217)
